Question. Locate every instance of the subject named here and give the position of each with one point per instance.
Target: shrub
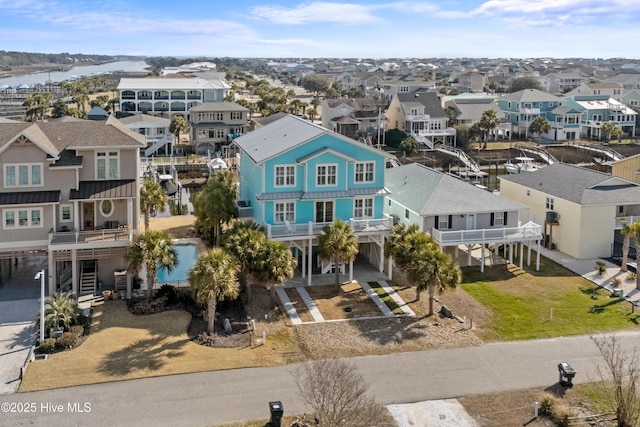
(601, 267)
(616, 282)
(185, 297)
(77, 330)
(60, 311)
(554, 408)
(169, 292)
(548, 402)
(67, 340)
(47, 346)
(631, 276)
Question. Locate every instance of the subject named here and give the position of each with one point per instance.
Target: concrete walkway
(587, 269)
(288, 306)
(311, 305)
(394, 296)
(16, 339)
(384, 308)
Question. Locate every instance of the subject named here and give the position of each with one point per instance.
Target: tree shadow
(148, 354)
(392, 330)
(600, 308)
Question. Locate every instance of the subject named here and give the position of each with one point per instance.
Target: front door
(471, 222)
(88, 219)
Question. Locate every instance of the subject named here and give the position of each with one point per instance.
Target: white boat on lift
(523, 164)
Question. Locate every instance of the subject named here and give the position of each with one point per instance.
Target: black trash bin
(276, 413)
(566, 374)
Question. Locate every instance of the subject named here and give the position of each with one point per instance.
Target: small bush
(67, 340)
(601, 267)
(554, 408)
(616, 282)
(169, 292)
(185, 297)
(548, 402)
(631, 276)
(47, 346)
(77, 330)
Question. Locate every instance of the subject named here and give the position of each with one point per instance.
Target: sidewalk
(587, 269)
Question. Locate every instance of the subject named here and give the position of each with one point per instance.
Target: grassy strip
(550, 303)
(286, 421)
(386, 298)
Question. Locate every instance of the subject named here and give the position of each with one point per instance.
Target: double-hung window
(284, 212)
(364, 172)
(326, 175)
(549, 203)
(107, 165)
(285, 176)
(22, 218)
(23, 175)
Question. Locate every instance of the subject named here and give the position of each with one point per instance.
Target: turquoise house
(296, 177)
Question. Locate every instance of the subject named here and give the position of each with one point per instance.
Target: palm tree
(539, 126)
(488, 122)
(213, 279)
(246, 242)
(636, 233)
(626, 231)
(434, 270)
(312, 112)
(215, 206)
(151, 249)
(60, 311)
(395, 243)
(81, 99)
(178, 125)
(337, 243)
(152, 198)
(277, 265)
(37, 105)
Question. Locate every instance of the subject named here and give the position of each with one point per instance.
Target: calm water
(187, 255)
(84, 70)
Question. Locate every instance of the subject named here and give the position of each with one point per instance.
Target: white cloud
(344, 13)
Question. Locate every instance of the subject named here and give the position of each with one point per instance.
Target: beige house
(580, 208)
(628, 168)
(215, 124)
(69, 190)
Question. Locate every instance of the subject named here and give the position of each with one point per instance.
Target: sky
(334, 29)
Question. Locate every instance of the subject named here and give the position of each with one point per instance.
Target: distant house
(471, 82)
(97, 113)
(421, 115)
(155, 130)
(523, 107)
(215, 124)
(597, 110)
(581, 208)
(468, 110)
(297, 177)
(349, 117)
(455, 212)
(168, 97)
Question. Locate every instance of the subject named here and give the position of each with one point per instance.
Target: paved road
(16, 338)
(216, 397)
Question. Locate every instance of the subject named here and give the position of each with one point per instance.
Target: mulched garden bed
(197, 330)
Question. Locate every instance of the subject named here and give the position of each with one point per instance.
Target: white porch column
(74, 271)
(455, 251)
(510, 253)
(482, 259)
(76, 215)
(310, 260)
(304, 264)
(529, 253)
(52, 273)
(538, 257)
(381, 259)
(130, 213)
(521, 255)
(469, 255)
(390, 268)
(351, 271)
(129, 284)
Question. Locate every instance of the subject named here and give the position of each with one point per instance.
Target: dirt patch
(299, 305)
(349, 303)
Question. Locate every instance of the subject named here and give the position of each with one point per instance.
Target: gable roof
(428, 100)
(429, 192)
(578, 185)
(284, 134)
(531, 95)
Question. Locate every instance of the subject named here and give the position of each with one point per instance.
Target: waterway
(77, 71)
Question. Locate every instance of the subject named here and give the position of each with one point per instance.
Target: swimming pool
(187, 255)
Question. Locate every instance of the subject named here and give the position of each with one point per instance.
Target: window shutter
(492, 219)
(437, 221)
(450, 221)
(505, 219)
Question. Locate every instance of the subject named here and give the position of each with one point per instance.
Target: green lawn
(550, 303)
(384, 296)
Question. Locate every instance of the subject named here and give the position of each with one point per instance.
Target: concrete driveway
(19, 305)
(16, 338)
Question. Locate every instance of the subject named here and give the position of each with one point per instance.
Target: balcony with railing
(527, 232)
(531, 111)
(365, 226)
(118, 236)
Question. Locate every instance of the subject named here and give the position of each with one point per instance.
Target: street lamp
(40, 275)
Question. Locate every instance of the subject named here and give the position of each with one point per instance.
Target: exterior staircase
(88, 277)
(608, 152)
(462, 156)
(541, 152)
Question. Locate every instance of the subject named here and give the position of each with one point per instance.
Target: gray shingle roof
(429, 192)
(531, 95)
(284, 134)
(429, 100)
(578, 185)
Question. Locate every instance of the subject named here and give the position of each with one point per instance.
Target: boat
(168, 184)
(523, 164)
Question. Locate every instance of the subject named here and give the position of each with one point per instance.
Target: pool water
(187, 255)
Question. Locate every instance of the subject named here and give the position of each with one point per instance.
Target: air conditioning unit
(552, 217)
